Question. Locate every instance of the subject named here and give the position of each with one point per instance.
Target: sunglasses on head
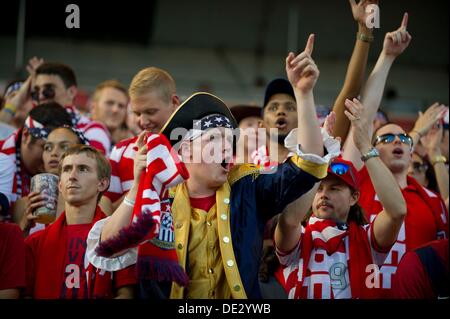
(342, 169)
(47, 91)
(389, 138)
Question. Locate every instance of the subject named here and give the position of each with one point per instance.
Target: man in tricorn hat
(219, 212)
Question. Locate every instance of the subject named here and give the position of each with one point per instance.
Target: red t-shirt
(203, 203)
(412, 280)
(12, 257)
(426, 220)
(74, 282)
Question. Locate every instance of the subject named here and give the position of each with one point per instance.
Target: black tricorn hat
(194, 108)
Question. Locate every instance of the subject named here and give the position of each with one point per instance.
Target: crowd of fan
(339, 205)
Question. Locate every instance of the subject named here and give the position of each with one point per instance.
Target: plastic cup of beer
(47, 185)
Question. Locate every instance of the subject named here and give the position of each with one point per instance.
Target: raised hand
(329, 123)
(359, 123)
(19, 98)
(426, 120)
(397, 41)
(33, 64)
(140, 158)
(359, 10)
(432, 141)
(301, 70)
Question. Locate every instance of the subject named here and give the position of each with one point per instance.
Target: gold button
(226, 240)
(208, 223)
(180, 246)
(230, 263)
(179, 225)
(226, 201)
(237, 288)
(223, 217)
(211, 271)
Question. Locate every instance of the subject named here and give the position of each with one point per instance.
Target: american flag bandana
(151, 227)
(207, 122)
(36, 129)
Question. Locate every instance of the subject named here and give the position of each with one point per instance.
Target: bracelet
(129, 203)
(11, 108)
(364, 38)
(438, 159)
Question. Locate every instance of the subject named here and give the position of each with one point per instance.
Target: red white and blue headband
(36, 129)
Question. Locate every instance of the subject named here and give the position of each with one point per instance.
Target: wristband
(438, 159)
(11, 108)
(128, 202)
(364, 38)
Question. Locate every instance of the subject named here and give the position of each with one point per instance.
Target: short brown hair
(103, 165)
(152, 79)
(109, 84)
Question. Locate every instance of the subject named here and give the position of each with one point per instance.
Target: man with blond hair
(110, 106)
(153, 99)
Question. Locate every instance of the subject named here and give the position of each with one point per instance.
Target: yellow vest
(213, 273)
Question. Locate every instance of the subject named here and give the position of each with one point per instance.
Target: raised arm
(426, 120)
(122, 215)
(390, 219)
(433, 145)
(356, 68)
(288, 229)
(394, 44)
(303, 73)
(18, 100)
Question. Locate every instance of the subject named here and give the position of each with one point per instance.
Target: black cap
(278, 86)
(196, 107)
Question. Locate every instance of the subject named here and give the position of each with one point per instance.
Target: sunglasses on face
(389, 138)
(420, 167)
(342, 169)
(47, 91)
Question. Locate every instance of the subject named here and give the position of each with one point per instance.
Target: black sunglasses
(420, 167)
(389, 138)
(47, 91)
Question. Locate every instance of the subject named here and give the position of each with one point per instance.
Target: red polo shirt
(426, 220)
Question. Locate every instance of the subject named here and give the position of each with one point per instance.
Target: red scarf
(52, 250)
(151, 227)
(321, 233)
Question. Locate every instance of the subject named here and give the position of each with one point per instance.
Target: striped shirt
(96, 132)
(8, 171)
